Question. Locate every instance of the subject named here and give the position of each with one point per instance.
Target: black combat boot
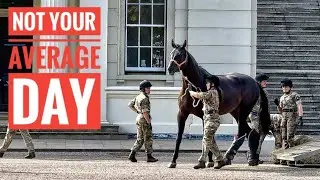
(201, 164)
(291, 163)
(232, 151)
(283, 162)
(150, 158)
(31, 155)
(260, 161)
(253, 142)
(276, 161)
(219, 164)
(132, 156)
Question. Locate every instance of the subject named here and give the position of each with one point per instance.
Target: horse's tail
(264, 114)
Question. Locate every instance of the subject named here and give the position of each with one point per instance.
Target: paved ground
(101, 165)
(112, 145)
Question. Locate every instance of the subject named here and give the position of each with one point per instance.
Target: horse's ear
(184, 44)
(173, 44)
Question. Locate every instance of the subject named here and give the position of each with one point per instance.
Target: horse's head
(179, 58)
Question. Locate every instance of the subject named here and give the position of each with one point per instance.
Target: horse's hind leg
(182, 117)
(243, 128)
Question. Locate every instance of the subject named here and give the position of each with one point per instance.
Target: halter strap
(180, 64)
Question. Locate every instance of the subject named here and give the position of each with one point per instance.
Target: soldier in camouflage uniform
(254, 114)
(290, 107)
(141, 105)
(26, 138)
(276, 131)
(211, 120)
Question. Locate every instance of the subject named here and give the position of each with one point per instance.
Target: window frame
(164, 47)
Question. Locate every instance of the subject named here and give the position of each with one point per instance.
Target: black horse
(238, 94)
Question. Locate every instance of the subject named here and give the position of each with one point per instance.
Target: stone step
(290, 53)
(267, 30)
(306, 42)
(289, 66)
(288, 56)
(308, 131)
(287, 29)
(262, 38)
(297, 84)
(284, 9)
(287, 13)
(309, 73)
(276, 47)
(306, 107)
(286, 62)
(263, 17)
(302, 95)
(284, 1)
(293, 23)
(309, 122)
(300, 79)
(311, 126)
(297, 7)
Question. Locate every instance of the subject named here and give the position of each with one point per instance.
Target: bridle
(182, 63)
(186, 79)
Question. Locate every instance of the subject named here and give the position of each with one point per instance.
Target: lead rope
(185, 92)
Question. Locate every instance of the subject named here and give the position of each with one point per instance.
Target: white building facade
(220, 34)
(136, 42)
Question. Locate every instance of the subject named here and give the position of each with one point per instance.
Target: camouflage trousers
(254, 121)
(144, 136)
(275, 128)
(9, 136)
(288, 128)
(211, 124)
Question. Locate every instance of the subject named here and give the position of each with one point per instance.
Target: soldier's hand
(300, 121)
(276, 101)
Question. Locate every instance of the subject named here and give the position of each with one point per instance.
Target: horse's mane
(201, 72)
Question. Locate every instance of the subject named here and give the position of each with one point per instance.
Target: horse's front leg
(182, 117)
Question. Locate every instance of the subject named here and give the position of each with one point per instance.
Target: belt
(211, 111)
(289, 110)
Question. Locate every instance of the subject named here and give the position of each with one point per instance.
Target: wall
(221, 35)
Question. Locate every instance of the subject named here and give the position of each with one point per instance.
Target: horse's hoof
(210, 164)
(172, 165)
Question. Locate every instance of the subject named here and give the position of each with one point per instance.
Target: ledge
(155, 91)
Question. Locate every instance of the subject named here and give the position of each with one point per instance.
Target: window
(145, 35)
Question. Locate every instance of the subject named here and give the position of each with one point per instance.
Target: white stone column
(253, 38)
(60, 45)
(103, 4)
(181, 30)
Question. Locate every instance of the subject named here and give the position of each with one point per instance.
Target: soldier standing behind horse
(211, 122)
(141, 105)
(290, 107)
(254, 114)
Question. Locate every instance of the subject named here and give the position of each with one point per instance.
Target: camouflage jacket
(257, 107)
(140, 103)
(210, 101)
(289, 101)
